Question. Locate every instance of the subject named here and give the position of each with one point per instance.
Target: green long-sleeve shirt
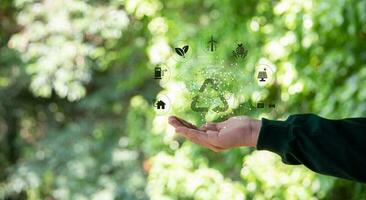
(331, 147)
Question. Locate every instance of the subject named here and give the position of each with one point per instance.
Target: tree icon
(195, 100)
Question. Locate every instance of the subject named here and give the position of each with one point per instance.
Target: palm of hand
(234, 132)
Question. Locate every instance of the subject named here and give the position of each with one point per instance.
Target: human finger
(198, 137)
(209, 126)
(221, 125)
(176, 122)
(184, 122)
(190, 133)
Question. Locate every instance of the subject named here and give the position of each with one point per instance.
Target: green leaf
(179, 51)
(185, 48)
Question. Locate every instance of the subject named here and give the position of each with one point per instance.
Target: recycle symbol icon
(206, 83)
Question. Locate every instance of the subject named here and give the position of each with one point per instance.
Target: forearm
(332, 147)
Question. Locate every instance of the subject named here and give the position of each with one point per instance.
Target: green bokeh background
(77, 86)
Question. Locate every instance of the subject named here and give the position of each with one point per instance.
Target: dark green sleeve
(331, 147)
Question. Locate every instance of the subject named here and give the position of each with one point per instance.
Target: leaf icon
(180, 51)
(185, 48)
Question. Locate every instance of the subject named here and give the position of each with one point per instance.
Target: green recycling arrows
(206, 83)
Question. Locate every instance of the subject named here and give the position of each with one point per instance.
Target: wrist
(255, 127)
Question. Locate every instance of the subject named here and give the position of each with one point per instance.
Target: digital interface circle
(210, 44)
(162, 104)
(162, 73)
(264, 75)
(214, 67)
(238, 52)
(181, 51)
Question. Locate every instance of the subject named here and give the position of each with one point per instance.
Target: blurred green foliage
(76, 91)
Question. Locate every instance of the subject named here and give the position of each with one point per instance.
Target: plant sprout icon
(182, 51)
(194, 103)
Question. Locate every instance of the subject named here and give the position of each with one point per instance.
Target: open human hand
(234, 132)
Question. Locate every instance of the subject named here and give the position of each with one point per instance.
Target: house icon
(160, 104)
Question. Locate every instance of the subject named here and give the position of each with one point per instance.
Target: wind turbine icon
(212, 44)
